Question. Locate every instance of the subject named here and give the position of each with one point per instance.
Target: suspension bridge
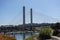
(38, 17)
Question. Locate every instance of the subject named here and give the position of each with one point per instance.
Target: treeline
(56, 28)
(10, 28)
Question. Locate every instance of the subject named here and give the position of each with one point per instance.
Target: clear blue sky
(43, 11)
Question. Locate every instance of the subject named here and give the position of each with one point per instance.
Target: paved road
(58, 38)
(53, 38)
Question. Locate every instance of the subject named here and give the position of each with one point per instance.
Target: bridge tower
(31, 15)
(23, 22)
(31, 20)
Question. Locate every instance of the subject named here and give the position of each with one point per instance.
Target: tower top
(31, 16)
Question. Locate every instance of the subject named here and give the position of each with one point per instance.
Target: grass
(31, 37)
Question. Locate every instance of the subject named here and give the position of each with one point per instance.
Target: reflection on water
(20, 36)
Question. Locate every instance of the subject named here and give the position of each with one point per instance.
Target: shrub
(56, 28)
(56, 32)
(29, 38)
(45, 33)
(3, 37)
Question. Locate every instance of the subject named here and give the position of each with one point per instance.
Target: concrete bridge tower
(31, 16)
(31, 20)
(23, 22)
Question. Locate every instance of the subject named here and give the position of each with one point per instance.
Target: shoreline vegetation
(5, 37)
(51, 33)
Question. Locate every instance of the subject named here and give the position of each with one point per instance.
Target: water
(20, 36)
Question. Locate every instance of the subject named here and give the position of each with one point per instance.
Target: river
(20, 36)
